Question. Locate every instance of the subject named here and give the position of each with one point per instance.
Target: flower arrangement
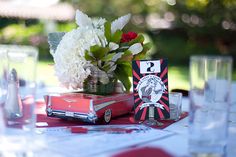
(96, 45)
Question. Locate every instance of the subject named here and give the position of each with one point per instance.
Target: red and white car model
(88, 107)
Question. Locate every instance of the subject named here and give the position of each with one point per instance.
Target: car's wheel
(107, 116)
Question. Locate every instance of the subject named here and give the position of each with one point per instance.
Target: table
(173, 139)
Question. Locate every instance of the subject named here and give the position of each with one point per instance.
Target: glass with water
(17, 93)
(175, 103)
(210, 81)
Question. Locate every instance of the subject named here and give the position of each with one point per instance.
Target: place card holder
(150, 89)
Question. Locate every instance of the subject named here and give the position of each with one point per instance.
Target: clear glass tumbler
(18, 87)
(3, 86)
(210, 82)
(175, 104)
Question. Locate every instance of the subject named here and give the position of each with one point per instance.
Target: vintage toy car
(88, 107)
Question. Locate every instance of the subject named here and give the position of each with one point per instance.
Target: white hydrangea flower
(69, 55)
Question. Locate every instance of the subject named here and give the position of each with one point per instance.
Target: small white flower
(113, 46)
(98, 23)
(136, 48)
(119, 23)
(117, 56)
(82, 19)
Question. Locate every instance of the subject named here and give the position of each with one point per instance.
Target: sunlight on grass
(46, 74)
(178, 76)
(234, 75)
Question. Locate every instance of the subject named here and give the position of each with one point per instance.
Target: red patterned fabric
(125, 119)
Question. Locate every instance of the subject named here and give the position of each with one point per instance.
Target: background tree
(177, 28)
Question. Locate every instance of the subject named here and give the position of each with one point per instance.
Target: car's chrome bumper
(86, 117)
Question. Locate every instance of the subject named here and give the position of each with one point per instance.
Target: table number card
(150, 87)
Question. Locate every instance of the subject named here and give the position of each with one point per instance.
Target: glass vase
(99, 83)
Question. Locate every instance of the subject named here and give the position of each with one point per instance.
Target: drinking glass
(210, 81)
(18, 85)
(175, 103)
(3, 85)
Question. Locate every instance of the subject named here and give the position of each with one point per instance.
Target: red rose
(126, 37)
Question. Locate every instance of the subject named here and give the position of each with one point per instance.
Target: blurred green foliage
(197, 26)
(202, 27)
(29, 32)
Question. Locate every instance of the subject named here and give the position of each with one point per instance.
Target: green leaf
(126, 65)
(54, 39)
(122, 75)
(139, 39)
(124, 44)
(107, 66)
(87, 56)
(127, 56)
(147, 46)
(94, 48)
(108, 57)
(107, 33)
(98, 52)
(140, 56)
(94, 62)
(116, 37)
